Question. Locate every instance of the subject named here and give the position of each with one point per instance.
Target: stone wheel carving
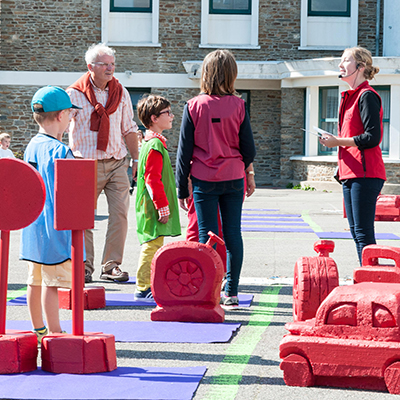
(184, 278)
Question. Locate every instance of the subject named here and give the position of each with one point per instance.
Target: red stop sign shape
(22, 194)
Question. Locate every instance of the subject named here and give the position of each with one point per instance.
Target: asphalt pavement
(246, 367)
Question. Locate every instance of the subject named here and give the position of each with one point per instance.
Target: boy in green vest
(157, 211)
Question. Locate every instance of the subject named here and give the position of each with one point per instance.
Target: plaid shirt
(164, 211)
(149, 134)
(83, 141)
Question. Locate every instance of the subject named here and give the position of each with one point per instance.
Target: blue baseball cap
(51, 98)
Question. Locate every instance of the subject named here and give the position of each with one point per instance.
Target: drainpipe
(378, 26)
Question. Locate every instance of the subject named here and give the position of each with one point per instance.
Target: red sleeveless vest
(355, 163)
(216, 153)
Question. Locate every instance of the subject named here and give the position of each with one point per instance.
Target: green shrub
(19, 154)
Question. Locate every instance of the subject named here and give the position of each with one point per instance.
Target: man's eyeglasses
(105, 65)
(169, 112)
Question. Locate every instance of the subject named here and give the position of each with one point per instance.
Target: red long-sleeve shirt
(152, 175)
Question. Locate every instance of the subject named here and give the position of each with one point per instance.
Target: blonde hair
(4, 135)
(150, 105)
(219, 73)
(363, 58)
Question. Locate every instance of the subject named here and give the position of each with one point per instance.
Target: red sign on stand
(79, 353)
(22, 194)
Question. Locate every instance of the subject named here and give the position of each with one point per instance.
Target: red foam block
(18, 352)
(93, 297)
(372, 271)
(74, 354)
(387, 208)
(22, 194)
(186, 282)
(75, 187)
(189, 313)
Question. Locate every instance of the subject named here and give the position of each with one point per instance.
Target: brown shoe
(115, 274)
(88, 276)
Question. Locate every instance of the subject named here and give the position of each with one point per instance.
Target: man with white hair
(100, 131)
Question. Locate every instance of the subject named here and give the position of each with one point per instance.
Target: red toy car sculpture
(316, 277)
(354, 340)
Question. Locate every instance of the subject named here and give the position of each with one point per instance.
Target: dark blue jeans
(229, 196)
(360, 195)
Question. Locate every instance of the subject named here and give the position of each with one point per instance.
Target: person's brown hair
(363, 57)
(219, 73)
(39, 116)
(151, 105)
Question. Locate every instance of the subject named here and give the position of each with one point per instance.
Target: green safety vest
(148, 227)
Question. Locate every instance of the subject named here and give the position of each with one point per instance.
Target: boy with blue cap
(47, 251)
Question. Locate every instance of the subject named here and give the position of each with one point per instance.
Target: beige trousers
(112, 177)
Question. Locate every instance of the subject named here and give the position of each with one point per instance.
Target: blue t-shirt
(40, 242)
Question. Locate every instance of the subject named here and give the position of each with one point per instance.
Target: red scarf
(100, 120)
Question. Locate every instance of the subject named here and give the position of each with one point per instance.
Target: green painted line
(225, 383)
(306, 218)
(13, 294)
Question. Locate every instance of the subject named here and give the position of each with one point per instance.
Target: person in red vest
(102, 130)
(361, 169)
(216, 147)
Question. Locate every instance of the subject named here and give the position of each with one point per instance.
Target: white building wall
(391, 28)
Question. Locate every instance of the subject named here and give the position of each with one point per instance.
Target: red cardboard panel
(22, 194)
(75, 191)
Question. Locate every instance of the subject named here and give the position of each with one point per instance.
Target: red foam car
(353, 341)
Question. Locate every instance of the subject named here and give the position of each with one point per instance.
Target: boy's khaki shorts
(58, 275)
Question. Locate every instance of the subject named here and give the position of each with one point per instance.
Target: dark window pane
(330, 103)
(240, 5)
(328, 115)
(132, 3)
(329, 6)
(136, 95)
(384, 92)
(245, 95)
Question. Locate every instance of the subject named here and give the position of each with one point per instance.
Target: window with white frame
(130, 22)
(384, 93)
(229, 23)
(328, 115)
(328, 25)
